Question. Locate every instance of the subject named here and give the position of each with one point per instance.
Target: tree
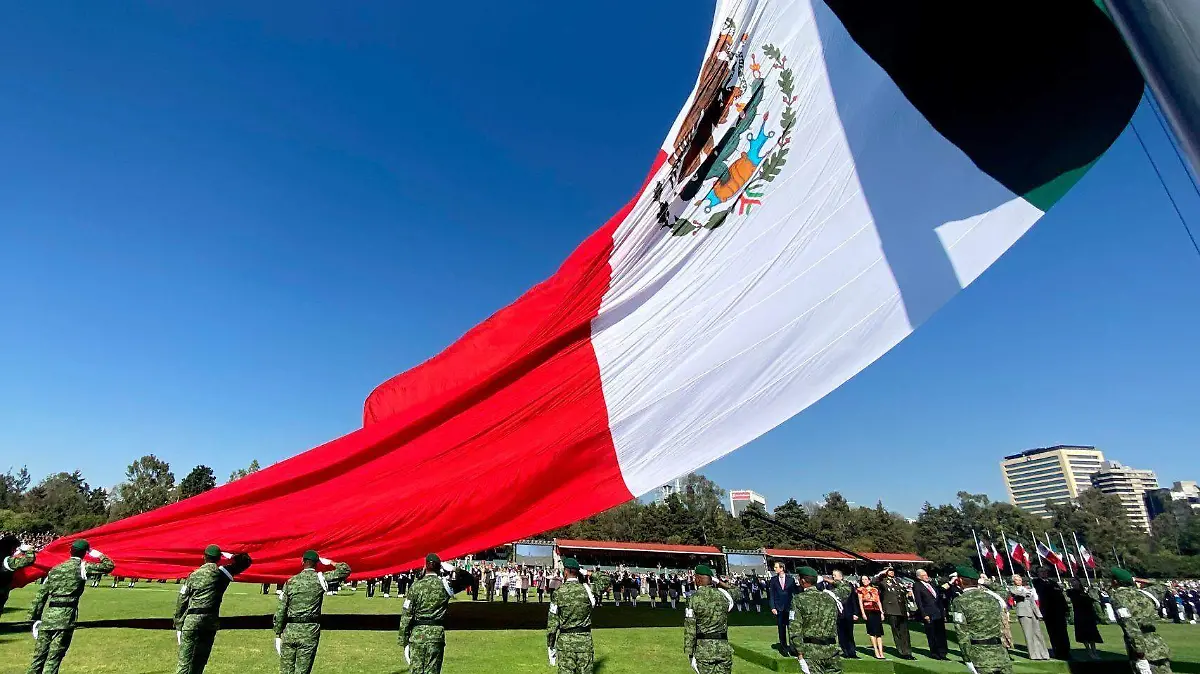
(64, 503)
(12, 488)
(833, 521)
(243, 472)
(200, 480)
(149, 484)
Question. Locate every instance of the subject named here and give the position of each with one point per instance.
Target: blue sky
(222, 225)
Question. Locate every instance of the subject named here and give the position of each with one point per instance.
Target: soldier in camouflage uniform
(13, 556)
(56, 606)
(706, 626)
(977, 618)
(298, 616)
(601, 582)
(812, 626)
(198, 609)
(1137, 613)
(422, 634)
(569, 624)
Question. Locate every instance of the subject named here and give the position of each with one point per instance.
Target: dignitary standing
(298, 616)
(1053, 602)
(781, 589)
(894, 596)
(929, 606)
(1030, 618)
(1086, 607)
(871, 610)
(844, 591)
(56, 606)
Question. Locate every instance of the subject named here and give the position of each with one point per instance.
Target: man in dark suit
(929, 607)
(781, 588)
(1053, 603)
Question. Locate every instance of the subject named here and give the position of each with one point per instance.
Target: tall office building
(740, 499)
(1182, 499)
(1130, 485)
(1049, 474)
(666, 490)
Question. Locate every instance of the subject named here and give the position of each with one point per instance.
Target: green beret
(432, 558)
(704, 570)
(966, 572)
(570, 563)
(807, 571)
(310, 556)
(80, 547)
(1121, 575)
(212, 551)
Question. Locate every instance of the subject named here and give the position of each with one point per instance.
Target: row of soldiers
(812, 630)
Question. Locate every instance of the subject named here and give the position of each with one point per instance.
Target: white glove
(95, 554)
(36, 624)
(227, 555)
(279, 646)
(406, 658)
(1142, 666)
(695, 666)
(178, 638)
(25, 547)
(971, 666)
(553, 654)
(804, 665)
(325, 560)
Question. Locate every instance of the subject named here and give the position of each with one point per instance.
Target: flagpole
(1051, 547)
(978, 552)
(1034, 550)
(1064, 544)
(1011, 568)
(1079, 549)
(1116, 557)
(996, 558)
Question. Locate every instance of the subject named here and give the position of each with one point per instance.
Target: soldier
(198, 609)
(298, 617)
(56, 606)
(1137, 613)
(706, 626)
(13, 555)
(812, 626)
(569, 624)
(977, 618)
(422, 634)
(601, 581)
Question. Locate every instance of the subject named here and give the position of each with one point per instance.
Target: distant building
(1049, 474)
(1182, 499)
(1131, 486)
(666, 490)
(740, 499)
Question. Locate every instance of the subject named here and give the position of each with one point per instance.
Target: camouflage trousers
(1159, 666)
(575, 662)
(194, 648)
(988, 659)
(426, 656)
(821, 659)
(49, 650)
(713, 656)
(296, 655)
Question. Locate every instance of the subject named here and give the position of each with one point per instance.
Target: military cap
(310, 556)
(570, 563)
(807, 571)
(80, 547)
(704, 570)
(212, 551)
(966, 572)
(1121, 575)
(432, 558)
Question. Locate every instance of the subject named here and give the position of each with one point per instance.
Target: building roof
(1044, 450)
(572, 544)
(834, 555)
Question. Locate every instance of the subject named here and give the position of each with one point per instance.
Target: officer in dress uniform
(298, 616)
(978, 615)
(812, 626)
(569, 624)
(56, 606)
(1137, 611)
(197, 612)
(706, 626)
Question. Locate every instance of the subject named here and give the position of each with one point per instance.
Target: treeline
(65, 502)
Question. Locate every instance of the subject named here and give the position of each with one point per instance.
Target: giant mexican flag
(841, 169)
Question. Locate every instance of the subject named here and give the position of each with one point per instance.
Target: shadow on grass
(463, 616)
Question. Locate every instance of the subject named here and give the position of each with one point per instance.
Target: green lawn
(127, 635)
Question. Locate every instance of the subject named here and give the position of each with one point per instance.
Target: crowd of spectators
(37, 541)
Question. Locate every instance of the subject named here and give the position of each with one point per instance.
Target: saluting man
(978, 616)
(56, 606)
(706, 626)
(569, 624)
(298, 617)
(422, 619)
(198, 609)
(13, 555)
(812, 627)
(1137, 613)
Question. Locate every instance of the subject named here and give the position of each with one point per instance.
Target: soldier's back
(813, 630)
(574, 606)
(979, 621)
(64, 586)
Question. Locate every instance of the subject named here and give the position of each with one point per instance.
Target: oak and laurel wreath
(774, 163)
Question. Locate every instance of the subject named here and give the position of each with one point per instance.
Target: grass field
(127, 630)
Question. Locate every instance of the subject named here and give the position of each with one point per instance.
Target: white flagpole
(1050, 547)
(1008, 554)
(1068, 554)
(979, 553)
(1082, 561)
